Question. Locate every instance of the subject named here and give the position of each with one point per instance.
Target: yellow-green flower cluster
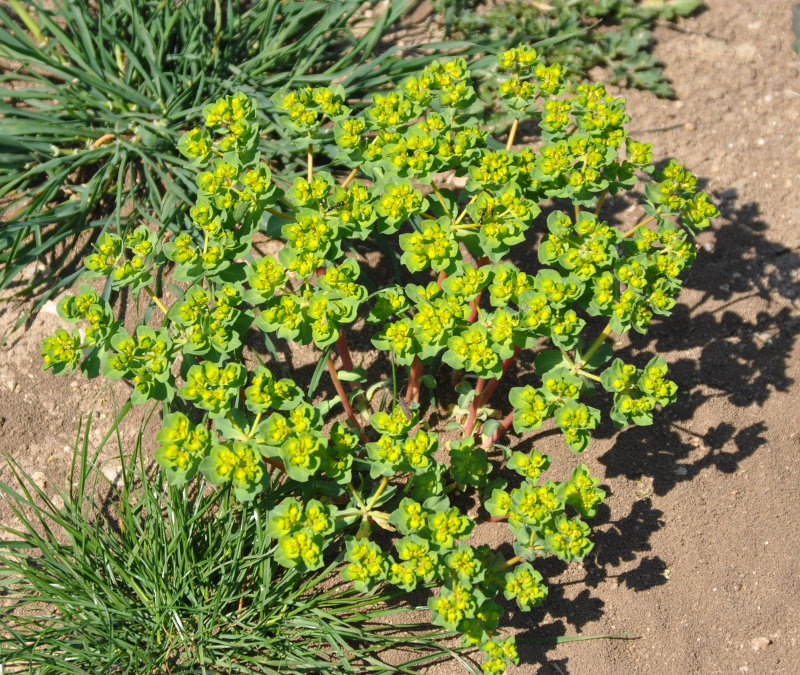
(528, 79)
(62, 351)
(500, 653)
(418, 562)
(300, 531)
(455, 604)
(307, 109)
(568, 538)
(144, 359)
(524, 584)
(231, 119)
(637, 392)
(209, 326)
(266, 392)
(296, 439)
(314, 313)
(582, 249)
(183, 447)
(390, 454)
(239, 463)
(581, 493)
(124, 262)
(212, 387)
(366, 564)
(86, 306)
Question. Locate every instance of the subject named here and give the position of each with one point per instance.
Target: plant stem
(412, 391)
(474, 407)
(512, 132)
(347, 513)
(356, 496)
(487, 394)
(279, 214)
(502, 428)
(373, 500)
(510, 563)
(466, 206)
(577, 212)
(350, 178)
(591, 376)
(155, 299)
(641, 223)
(348, 409)
(255, 424)
(597, 343)
(344, 352)
(600, 201)
(440, 279)
(441, 199)
(310, 162)
(275, 464)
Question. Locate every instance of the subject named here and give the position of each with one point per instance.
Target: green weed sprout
(343, 481)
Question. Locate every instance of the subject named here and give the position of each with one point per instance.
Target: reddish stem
(503, 427)
(474, 407)
(277, 464)
(474, 304)
(348, 409)
(442, 277)
(344, 352)
(493, 384)
(412, 391)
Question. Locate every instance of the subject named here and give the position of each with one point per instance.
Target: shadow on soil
(742, 360)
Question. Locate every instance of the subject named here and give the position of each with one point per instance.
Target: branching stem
(502, 428)
(597, 343)
(374, 499)
(474, 407)
(441, 199)
(348, 409)
(356, 496)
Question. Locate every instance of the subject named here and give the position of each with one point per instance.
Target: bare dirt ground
(696, 553)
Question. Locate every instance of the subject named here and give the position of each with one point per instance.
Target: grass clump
(158, 579)
(96, 96)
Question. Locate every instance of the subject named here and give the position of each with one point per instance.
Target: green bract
(332, 473)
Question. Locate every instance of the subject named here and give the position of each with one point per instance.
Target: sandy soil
(696, 552)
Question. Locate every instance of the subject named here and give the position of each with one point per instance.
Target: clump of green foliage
(581, 34)
(135, 578)
(100, 92)
(347, 475)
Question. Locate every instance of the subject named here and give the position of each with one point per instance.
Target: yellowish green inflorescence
(376, 177)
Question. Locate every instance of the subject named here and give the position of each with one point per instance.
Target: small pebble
(40, 479)
(759, 643)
